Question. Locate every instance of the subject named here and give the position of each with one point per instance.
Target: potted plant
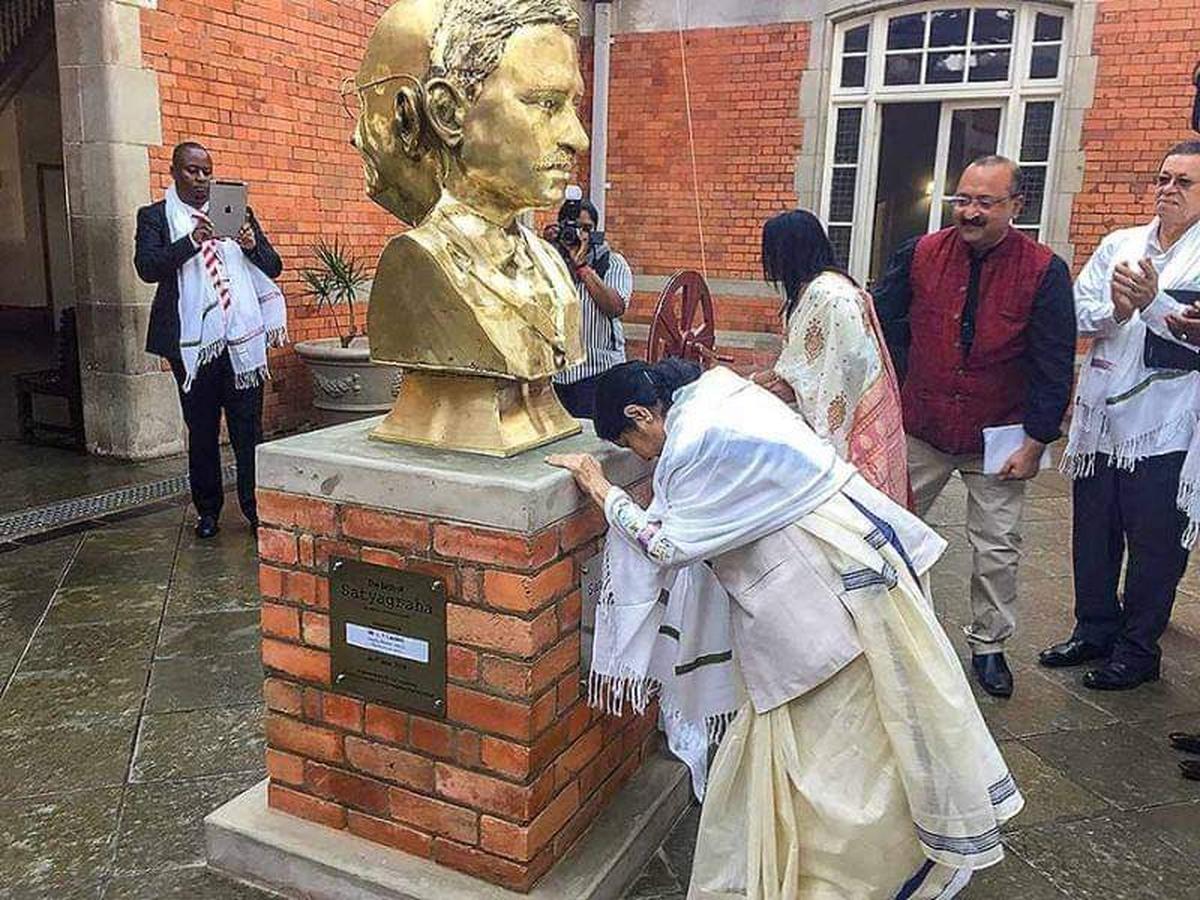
(346, 384)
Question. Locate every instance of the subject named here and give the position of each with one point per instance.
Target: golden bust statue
(474, 102)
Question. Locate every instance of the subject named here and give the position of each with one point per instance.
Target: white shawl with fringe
(737, 465)
(225, 303)
(1122, 407)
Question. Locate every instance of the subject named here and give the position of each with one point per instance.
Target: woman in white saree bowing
(771, 595)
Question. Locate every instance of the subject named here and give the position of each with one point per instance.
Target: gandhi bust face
(505, 103)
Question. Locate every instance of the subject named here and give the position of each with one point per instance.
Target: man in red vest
(981, 325)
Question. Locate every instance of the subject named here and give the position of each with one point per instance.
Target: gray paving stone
(1039, 705)
(657, 881)
(1011, 879)
(57, 846)
(183, 683)
(222, 588)
(1106, 858)
(1121, 763)
(1178, 826)
(195, 883)
(162, 824)
(65, 757)
(94, 604)
(202, 742)
(85, 646)
(1175, 695)
(1049, 794)
(72, 696)
(209, 634)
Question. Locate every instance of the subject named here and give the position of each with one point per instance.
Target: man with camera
(605, 283)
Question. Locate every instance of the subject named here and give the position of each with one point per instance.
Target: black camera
(569, 236)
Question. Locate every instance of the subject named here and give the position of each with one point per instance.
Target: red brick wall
(257, 82)
(744, 87)
(1146, 50)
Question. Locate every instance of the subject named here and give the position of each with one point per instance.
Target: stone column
(110, 112)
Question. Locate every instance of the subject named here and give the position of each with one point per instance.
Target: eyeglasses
(1180, 181)
(352, 92)
(963, 201)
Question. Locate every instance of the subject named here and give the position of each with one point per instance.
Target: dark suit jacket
(158, 260)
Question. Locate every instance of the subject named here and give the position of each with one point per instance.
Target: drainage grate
(39, 519)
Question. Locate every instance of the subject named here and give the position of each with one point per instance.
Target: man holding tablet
(216, 311)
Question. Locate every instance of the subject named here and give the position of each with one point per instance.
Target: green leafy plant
(336, 281)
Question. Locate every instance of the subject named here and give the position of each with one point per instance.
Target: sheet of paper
(1000, 443)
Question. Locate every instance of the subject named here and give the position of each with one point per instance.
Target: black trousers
(1118, 513)
(212, 392)
(579, 397)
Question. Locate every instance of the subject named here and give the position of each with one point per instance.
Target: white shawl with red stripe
(225, 303)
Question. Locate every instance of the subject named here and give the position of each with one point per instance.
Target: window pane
(839, 236)
(854, 71)
(845, 145)
(945, 68)
(948, 28)
(1044, 62)
(1048, 28)
(989, 65)
(855, 40)
(1035, 192)
(1035, 135)
(906, 32)
(993, 26)
(904, 68)
(973, 133)
(841, 195)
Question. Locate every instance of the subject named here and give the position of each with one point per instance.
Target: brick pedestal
(520, 766)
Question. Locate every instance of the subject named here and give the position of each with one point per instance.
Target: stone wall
(519, 767)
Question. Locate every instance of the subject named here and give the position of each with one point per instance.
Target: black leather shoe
(207, 527)
(1181, 740)
(1190, 768)
(1119, 676)
(1072, 652)
(992, 673)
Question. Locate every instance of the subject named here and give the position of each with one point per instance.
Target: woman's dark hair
(795, 250)
(640, 384)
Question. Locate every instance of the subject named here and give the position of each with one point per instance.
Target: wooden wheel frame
(684, 323)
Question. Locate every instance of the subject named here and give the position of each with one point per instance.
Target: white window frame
(1011, 95)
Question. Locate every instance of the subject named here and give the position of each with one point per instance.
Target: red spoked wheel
(684, 323)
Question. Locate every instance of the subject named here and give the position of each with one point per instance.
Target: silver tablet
(227, 207)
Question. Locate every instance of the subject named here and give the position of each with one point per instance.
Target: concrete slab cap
(522, 493)
(247, 841)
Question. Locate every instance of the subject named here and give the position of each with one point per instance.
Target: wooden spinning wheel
(684, 325)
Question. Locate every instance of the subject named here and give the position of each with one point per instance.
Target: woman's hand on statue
(587, 473)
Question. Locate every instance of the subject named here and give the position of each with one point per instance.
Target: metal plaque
(387, 636)
(591, 582)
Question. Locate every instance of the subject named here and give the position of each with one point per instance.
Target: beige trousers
(994, 509)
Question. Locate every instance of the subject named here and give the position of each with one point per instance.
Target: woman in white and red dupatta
(834, 365)
(771, 595)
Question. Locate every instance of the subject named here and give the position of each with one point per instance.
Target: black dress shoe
(1190, 768)
(1072, 652)
(1181, 740)
(992, 673)
(1120, 676)
(207, 527)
